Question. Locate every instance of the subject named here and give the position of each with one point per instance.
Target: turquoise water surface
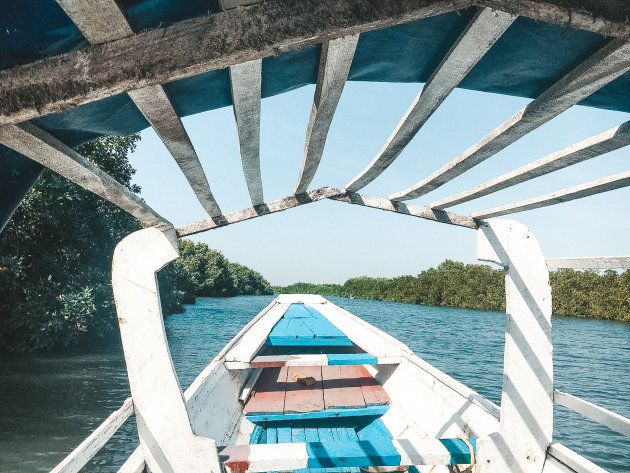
(49, 405)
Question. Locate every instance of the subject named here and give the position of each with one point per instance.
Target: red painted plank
(373, 393)
(269, 392)
(342, 387)
(302, 398)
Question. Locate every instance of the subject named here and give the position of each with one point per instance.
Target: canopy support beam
(38, 145)
(104, 21)
(334, 66)
(246, 81)
(192, 47)
(605, 142)
(616, 181)
(327, 193)
(601, 68)
(485, 28)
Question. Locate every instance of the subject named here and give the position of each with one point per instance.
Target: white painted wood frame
(526, 416)
(598, 262)
(166, 436)
(334, 66)
(35, 143)
(602, 416)
(104, 21)
(79, 457)
(598, 186)
(156, 107)
(483, 30)
(602, 143)
(601, 68)
(327, 193)
(574, 461)
(246, 80)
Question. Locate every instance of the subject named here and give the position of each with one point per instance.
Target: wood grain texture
(269, 392)
(334, 66)
(373, 393)
(602, 143)
(601, 68)
(598, 186)
(158, 110)
(342, 387)
(483, 30)
(104, 21)
(38, 145)
(246, 82)
(301, 397)
(192, 47)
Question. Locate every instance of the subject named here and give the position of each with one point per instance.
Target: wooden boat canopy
(120, 67)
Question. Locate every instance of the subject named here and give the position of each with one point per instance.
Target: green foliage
(473, 286)
(203, 272)
(56, 257)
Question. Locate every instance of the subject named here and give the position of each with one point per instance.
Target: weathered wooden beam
(601, 68)
(610, 419)
(104, 21)
(406, 209)
(600, 262)
(246, 82)
(485, 28)
(607, 18)
(195, 46)
(327, 193)
(38, 145)
(334, 66)
(100, 21)
(605, 142)
(79, 457)
(598, 186)
(258, 211)
(154, 104)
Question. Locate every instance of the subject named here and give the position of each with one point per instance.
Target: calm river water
(49, 405)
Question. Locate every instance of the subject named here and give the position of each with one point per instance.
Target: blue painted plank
(370, 411)
(272, 435)
(284, 434)
(349, 454)
(351, 359)
(325, 434)
(298, 434)
(379, 438)
(304, 326)
(309, 342)
(257, 435)
(312, 434)
(460, 453)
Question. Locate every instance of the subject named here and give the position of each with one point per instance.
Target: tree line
(475, 286)
(56, 254)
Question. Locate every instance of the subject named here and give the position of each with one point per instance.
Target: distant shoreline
(604, 296)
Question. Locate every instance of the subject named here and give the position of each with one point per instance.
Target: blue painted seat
(302, 325)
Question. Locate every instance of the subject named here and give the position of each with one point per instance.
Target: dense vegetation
(472, 286)
(203, 272)
(55, 261)
(55, 257)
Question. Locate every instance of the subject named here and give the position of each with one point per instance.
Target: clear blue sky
(332, 241)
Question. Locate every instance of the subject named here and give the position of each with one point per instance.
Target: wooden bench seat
(334, 390)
